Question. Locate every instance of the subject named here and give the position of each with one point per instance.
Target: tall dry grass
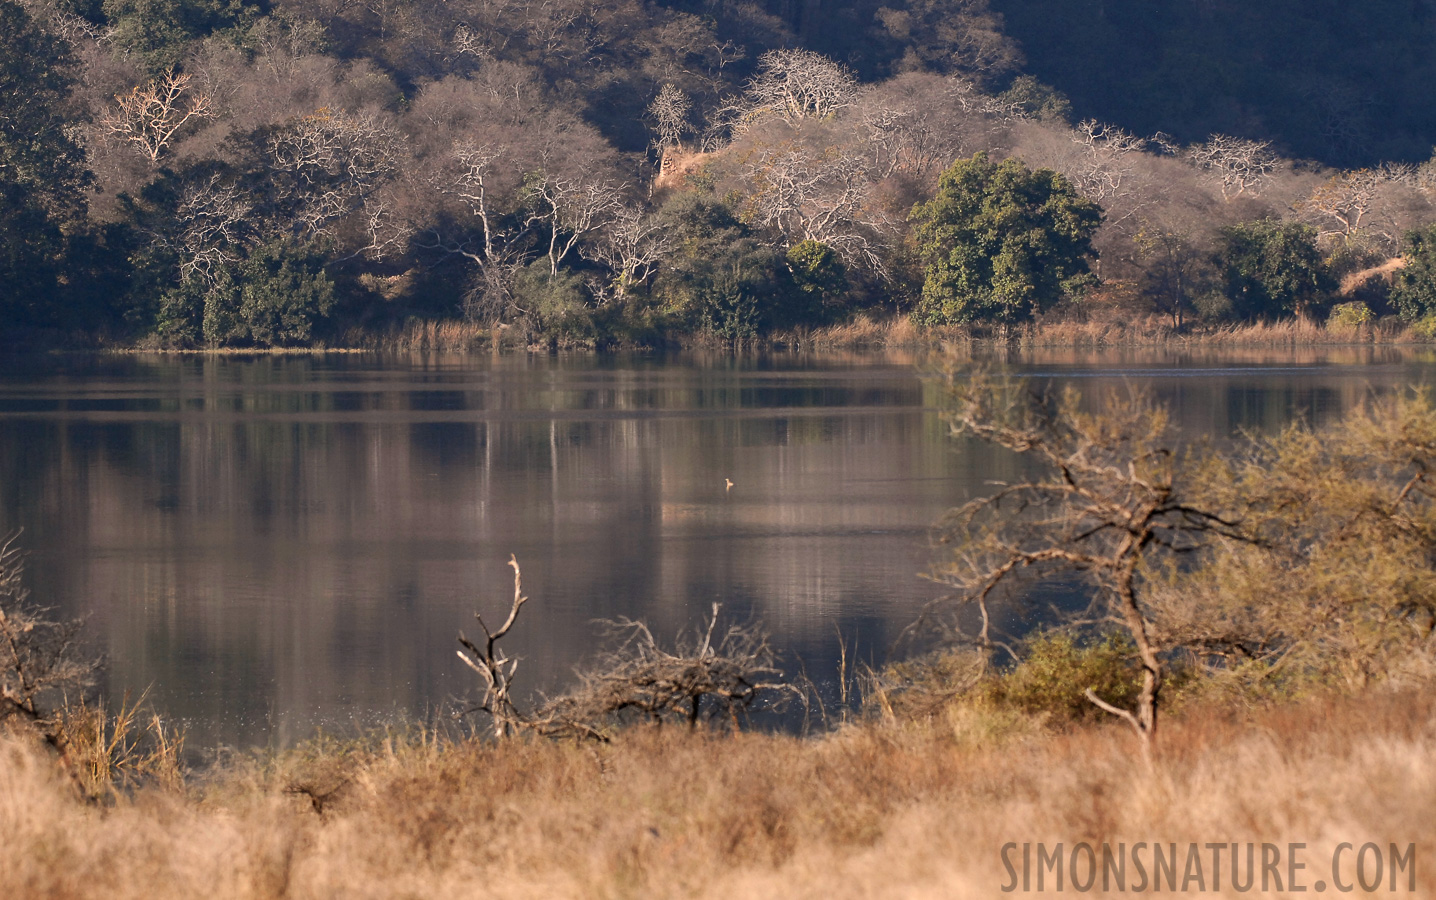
(435, 336)
(1098, 331)
(874, 810)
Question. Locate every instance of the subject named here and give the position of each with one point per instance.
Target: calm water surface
(273, 544)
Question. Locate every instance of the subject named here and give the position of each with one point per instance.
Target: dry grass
(1157, 331)
(864, 331)
(876, 810)
(436, 336)
(1095, 332)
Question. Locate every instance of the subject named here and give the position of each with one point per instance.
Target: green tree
(719, 279)
(819, 278)
(42, 170)
(159, 32)
(1038, 101)
(1272, 267)
(274, 297)
(1414, 293)
(1001, 243)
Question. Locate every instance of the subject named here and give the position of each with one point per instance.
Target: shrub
(273, 298)
(1056, 671)
(554, 303)
(39, 660)
(1349, 316)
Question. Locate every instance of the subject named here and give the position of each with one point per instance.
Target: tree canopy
(1272, 267)
(1001, 242)
(42, 169)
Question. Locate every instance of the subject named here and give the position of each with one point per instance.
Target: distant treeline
(203, 173)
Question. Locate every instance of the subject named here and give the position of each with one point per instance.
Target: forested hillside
(189, 173)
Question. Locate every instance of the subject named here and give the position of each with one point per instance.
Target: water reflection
(271, 543)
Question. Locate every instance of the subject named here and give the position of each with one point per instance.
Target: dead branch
(717, 675)
(496, 669)
(40, 658)
(709, 674)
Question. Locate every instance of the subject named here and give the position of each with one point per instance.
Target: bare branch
(151, 114)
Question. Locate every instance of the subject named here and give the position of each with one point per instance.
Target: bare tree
(792, 85)
(919, 134)
(500, 251)
(818, 195)
(472, 185)
(495, 669)
(467, 43)
(39, 657)
(1241, 166)
(724, 672)
(669, 114)
(962, 36)
(152, 114)
(215, 220)
(1105, 148)
(572, 209)
(632, 246)
(331, 164)
(1343, 201)
(1107, 504)
(1358, 202)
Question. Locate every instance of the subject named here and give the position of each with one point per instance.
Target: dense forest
(188, 173)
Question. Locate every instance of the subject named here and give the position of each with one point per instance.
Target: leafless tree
(572, 209)
(669, 114)
(495, 669)
(971, 98)
(792, 85)
(467, 43)
(1358, 202)
(500, 251)
(820, 195)
(917, 124)
(472, 185)
(332, 164)
(215, 220)
(948, 37)
(1241, 166)
(1343, 200)
(1108, 503)
(152, 114)
(1105, 148)
(39, 658)
(632, 246)
(726, 672)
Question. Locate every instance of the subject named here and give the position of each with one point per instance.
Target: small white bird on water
(727, 484)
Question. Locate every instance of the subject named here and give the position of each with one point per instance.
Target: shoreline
(862, 333)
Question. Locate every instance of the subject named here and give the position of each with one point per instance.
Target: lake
(271, 544)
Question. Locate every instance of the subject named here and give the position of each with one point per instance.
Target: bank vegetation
(191, 174)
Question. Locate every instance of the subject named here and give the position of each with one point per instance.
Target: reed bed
(880, 808)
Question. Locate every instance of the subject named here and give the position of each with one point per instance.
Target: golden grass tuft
(873, 810)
